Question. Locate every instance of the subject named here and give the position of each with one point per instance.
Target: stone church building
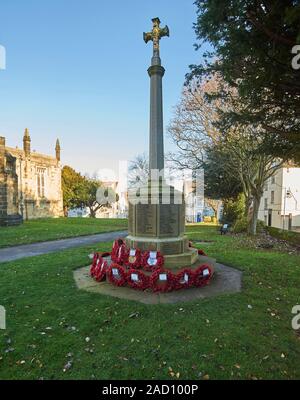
(30, 183)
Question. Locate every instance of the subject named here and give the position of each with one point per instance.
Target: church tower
(2, 154)
(26, 143)
(57, 150)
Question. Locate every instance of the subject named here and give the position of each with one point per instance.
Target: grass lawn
(241, 336)
(41, 230)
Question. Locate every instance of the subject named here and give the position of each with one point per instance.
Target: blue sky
(77, 70)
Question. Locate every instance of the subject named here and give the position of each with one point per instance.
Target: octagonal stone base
(166, 245)
(185, 258)
(225, 280)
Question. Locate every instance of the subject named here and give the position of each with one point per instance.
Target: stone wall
(3, 197)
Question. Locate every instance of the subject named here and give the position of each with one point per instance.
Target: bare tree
(194, 131)
(138, 171)
(192, 128)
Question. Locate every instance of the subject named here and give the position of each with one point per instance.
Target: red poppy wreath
(184, 279)
(133, 258)
(100, 270)
(116, 274)
(136, 279)
(202, 275)
(162, 281)
(118, 254)
(152, 260)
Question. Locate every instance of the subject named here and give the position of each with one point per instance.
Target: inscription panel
(169, 220)
(171, 247)
(146, 220)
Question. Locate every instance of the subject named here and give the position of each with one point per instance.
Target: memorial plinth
(157, 223)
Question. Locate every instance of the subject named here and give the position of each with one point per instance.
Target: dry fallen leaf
(67, 366)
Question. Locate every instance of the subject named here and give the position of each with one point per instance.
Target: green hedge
(292, 237)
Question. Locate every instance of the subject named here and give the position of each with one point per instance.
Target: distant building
(280, 204)
(192, 184)
(30, 183)
(119, 209)
(194, 202)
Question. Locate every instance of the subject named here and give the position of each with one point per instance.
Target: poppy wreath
(157, 266)
(200, 252)
(100, 270)
(143, 281)
(94, 263)
(199, 278)
(133, 261)
(184, 279)
(118, 254)
(162, 286)
(122, 275)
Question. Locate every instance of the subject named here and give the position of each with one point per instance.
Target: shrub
(234, 209)
(240, 225)
(260, 227)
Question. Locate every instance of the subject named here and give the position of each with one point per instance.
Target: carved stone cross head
(156, 34)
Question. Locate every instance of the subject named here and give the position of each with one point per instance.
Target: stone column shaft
(156, 150)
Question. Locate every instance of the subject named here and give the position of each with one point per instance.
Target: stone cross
(155, 35)
(156, 73)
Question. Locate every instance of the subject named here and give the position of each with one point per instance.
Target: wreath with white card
(136, 279)
(116, 274)
(202, 275)
(133, 258)
(162, 281)
(152, 260)
(184, 279)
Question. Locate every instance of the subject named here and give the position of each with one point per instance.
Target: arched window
(41, 182)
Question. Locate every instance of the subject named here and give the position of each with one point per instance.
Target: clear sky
(77, 70)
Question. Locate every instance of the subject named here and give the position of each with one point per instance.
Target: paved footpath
(36, 249)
